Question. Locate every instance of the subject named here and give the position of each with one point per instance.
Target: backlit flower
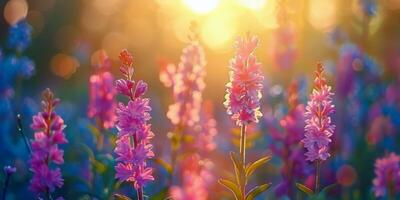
(319, 128)
(246, 82)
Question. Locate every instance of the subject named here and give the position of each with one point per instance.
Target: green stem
(317, 174)
(243, 156)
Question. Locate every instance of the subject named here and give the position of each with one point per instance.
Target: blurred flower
(133, 147)
(101, 93)
(187, 82)
(206, 129)
(286, 143)
(369, 7)
(387, 171)
(346, 175)
(195, 180)
(9, 170)
(48, 127)
(19, 36)
(244, 89)
(284, 52)
(319, 128)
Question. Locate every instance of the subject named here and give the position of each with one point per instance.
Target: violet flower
(387, 180)
(49, 133)
(133, 144)
(101, 93)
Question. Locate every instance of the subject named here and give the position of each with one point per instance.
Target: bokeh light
(15, 10)
(64, 65)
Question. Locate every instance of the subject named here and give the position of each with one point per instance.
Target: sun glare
(253, 4)
(201, 6)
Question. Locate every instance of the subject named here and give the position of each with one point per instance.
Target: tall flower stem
(317, 173)
(19, 124)
(243, 144)
(242, 150)
(140, 193)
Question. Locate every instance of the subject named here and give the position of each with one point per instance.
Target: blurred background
(357, 40)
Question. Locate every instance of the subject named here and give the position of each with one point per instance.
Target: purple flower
(49, 133)
(19, 36)
(244, 89)
(387, 171)
(187, 82)
(318, 128)
(9, 170)
(286, 144)
(133, 147)
(101, 93)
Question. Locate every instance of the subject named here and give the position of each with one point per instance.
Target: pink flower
(48, 127)
(195, 180)
(101, 93)
(133, 147)
(187, 82)
(387, 171)
(318, 128)
(205, 130)
(246, 82)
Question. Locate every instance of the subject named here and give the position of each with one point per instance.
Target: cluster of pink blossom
(246, 82)
(101, 93)
(319, 127)
(187, 82)
(49, 133)
(196, 179)
(133, 146)
(387, 180)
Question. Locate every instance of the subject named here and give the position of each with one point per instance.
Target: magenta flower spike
(387, 176)
(101, 93)
(49, 133)
(243, 105)
(319, 127)
(133, 146)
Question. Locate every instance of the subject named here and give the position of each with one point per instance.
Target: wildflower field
(200, 99)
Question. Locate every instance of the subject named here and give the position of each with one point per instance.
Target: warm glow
(201, 6)
(253, 4)
(322, 15)
(218, 31)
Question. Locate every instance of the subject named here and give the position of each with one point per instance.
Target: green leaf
(121, 197)
(329, 187)
(253, 193)
(163, 194)
(251, 167)
(232, 187)
(239, 169)
(304, 189)
(164, 164)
